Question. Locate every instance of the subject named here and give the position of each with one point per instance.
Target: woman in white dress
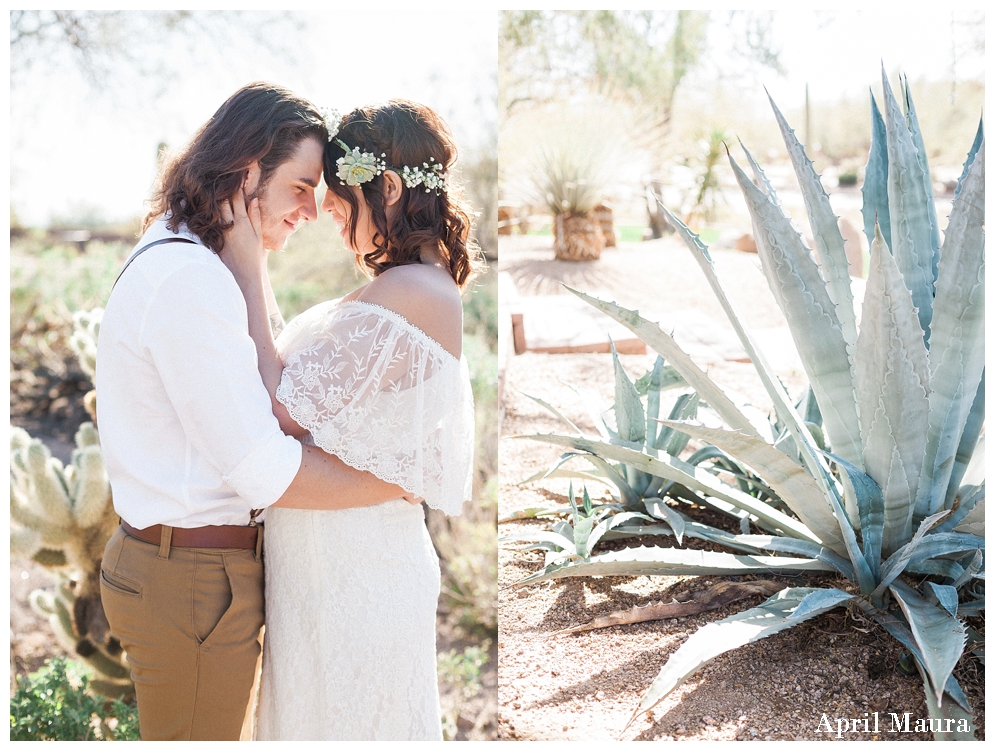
(378, 379)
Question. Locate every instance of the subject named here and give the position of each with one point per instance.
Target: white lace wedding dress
(351, 595)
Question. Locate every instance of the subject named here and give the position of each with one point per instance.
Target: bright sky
(840, 52)
(72, 148)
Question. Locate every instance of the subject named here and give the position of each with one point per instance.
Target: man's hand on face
(243, 252)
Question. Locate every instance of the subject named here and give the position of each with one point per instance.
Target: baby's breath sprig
(332, 118)
(431, 176)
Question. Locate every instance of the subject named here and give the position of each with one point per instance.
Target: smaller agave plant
(881, 470)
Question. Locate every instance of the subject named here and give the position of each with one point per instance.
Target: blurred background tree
(658, 83)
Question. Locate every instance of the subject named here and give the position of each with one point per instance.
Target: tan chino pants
(189, 619)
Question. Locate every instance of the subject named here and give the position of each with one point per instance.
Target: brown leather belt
(199, 537)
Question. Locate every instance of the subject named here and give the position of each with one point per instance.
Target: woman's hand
(243, 252)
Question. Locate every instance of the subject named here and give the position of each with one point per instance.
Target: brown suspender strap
(146, 247)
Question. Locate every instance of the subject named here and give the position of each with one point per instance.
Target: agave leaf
(898, 560)
(676, 562)
(968, 443)
(674, 441)
(798, 547)
(975, 565)
(940, 544)
(691, 529)
(669, 378)
(607, 525)
(759, 177)
(573, 474)
(723, 461)
(943, 595)
(543, 474)
(595, 412)
(825, 232)
(957, 341)
(657, 508)
(941, 636)
(974, 522)
(912, 121)
(973, 608)
(901, 632)
(772, 616)
(789, 480)
(630, 419)
(908, 203)
(652, 399)
(664, 344)
(978, 138)
(543, 536)
(875, 188)
(674, 469)
(532, 512)
(629, 496)
(820, 601)
(941, 567)
(892, 377)
(794, 279)
(870, 506)
(951, 714)
(583, 528)
(782, 404)
(555, 411)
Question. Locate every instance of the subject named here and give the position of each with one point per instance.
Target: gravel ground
(586, 686)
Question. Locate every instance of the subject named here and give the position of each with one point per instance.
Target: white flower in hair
(358, 167)
(432, 177)
(332, 118)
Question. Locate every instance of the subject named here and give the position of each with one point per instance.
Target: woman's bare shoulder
(426, 296)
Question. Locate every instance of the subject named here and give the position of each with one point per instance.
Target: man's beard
(269, 243)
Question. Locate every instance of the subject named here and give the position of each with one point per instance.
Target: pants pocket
(212, 596)
(118, 584)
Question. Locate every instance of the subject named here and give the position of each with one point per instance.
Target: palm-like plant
(902, 410)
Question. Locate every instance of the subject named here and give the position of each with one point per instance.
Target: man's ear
(251, 182)
(392, 187)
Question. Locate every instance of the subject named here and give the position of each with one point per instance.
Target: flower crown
(358, 167)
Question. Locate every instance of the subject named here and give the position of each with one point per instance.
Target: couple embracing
(338, 427)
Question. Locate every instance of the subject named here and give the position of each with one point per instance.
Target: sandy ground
(586, 686)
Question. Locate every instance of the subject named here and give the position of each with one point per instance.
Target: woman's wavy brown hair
(261, 122)
(406, 134)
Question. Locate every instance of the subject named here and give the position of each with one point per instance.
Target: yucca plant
(570, 180)
(897, 491)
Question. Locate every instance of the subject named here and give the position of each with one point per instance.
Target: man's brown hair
(261, 122)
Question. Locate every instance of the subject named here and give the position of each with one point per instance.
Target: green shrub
(54, 704)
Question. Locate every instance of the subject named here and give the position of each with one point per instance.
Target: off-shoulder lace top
(380, 394)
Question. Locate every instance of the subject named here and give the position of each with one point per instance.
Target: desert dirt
(586, 686)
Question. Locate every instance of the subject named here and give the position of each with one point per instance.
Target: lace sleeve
(382, 396)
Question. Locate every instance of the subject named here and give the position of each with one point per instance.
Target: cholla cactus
(62, 517)
(86, 327)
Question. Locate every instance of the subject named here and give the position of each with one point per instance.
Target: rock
(746, 243)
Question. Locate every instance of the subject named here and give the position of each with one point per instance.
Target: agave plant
(901, 401)
(644, 503)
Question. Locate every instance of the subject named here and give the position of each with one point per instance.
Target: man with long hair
(191, 446)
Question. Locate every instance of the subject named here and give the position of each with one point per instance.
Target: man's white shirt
(186, 426)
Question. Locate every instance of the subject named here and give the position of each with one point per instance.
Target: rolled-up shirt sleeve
(196, 334)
